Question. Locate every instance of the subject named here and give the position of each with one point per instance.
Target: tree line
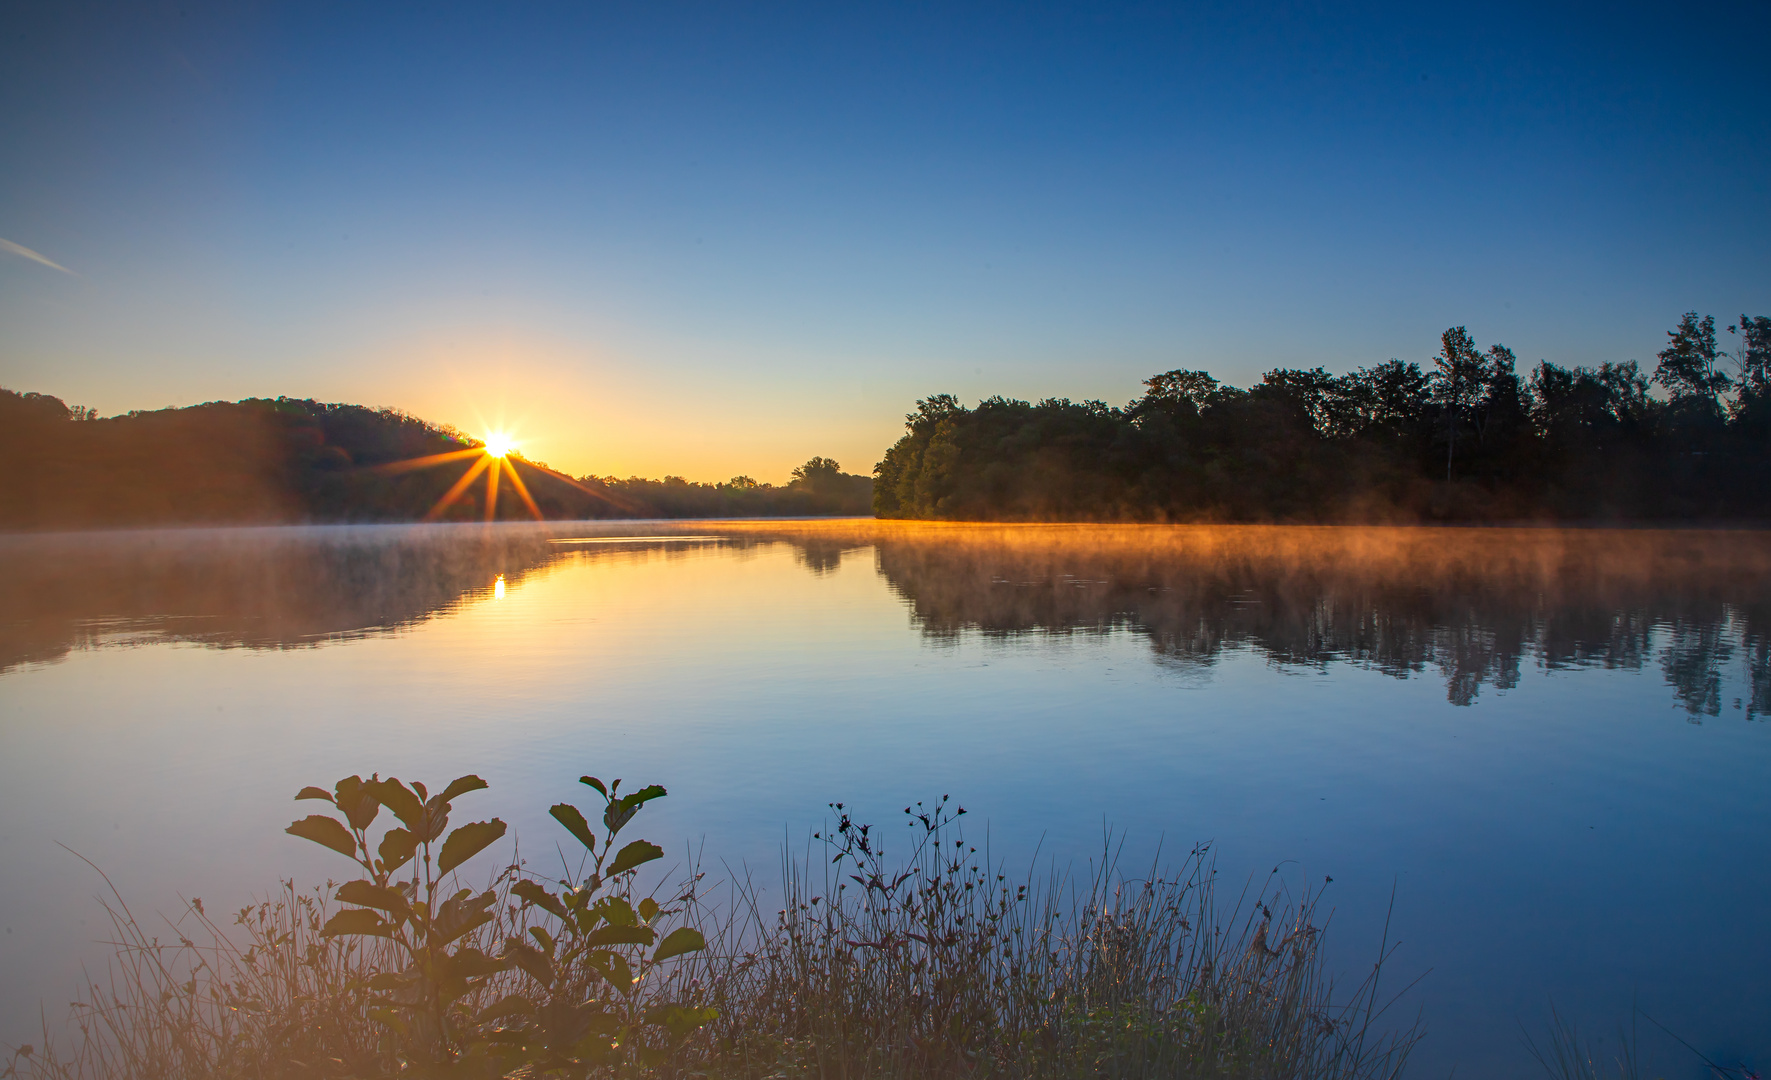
(1466, 438)
(819, 487)
(265, 460)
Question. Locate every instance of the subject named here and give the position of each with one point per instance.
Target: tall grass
(264, 997)
(933, 965)
(940, 966)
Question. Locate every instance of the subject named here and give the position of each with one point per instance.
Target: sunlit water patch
(1549, 745)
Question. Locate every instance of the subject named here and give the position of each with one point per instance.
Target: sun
(494, 457)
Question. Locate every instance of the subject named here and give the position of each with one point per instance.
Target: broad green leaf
(472, 963)
(509, 1005)
(573, 819)
(311, 792)
(397, 849)
(640, 851)
(534, 963)
(466, 842)
(595, 783)
(356, 921)
(614, 968)
(435, 819)
(461, 914)
(605, 936)
(532, 892)
(327, 832)
(586, 919)
(461, 785)
(457, 930)
(645, 795)
(620, 811)
(648, 909)
(391, 1017)
(679, 941)
(369, 894)
(357, 802)
(397, 797)
(617, 814)
(616, 911)
(563, 1023)
(542, 938)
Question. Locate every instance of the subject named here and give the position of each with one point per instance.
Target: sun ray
(522, 488)
(496, 455)
(454, 493)
(492, 475)
(426, 462)
(607, 496)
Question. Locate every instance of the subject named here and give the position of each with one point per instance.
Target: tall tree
(1460, 377)
(1754, 355)
(1179, 386)
(1688, 363)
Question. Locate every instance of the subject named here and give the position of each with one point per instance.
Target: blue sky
(711, 239)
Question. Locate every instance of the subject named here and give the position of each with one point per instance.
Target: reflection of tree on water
(293, 587)
(1556, 600)
(1697, 652)
(1758, 668)
(1474, 606)
(258, 588)
(822, 557)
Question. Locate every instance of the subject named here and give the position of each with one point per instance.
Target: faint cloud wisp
(25, 252)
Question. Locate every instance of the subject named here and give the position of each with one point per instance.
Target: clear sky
(707, 239)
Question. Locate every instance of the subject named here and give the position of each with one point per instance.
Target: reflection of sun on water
(498, 588)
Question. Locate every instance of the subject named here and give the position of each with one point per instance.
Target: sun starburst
(496, 456)
(492, 457)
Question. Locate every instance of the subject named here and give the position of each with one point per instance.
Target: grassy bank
(929, 962)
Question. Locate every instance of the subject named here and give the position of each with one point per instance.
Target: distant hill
(285, 460)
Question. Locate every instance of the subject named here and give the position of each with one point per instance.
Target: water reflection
(267, 588)
(258, 588)
(1469, 606)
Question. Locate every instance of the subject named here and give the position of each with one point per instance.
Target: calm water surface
(1551, 745)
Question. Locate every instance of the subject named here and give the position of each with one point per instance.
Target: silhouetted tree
(1460, 375)
(1688, 365)
(1751, 408)
(1307, 445)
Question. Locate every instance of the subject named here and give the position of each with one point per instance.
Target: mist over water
(1549, 742)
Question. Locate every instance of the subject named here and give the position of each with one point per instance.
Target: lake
(1549, 746)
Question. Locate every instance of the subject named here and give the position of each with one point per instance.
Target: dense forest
(1468, 438)
(292, 460)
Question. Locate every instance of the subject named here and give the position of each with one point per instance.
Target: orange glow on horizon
(497, 457)
(454, 493)
(492, 458)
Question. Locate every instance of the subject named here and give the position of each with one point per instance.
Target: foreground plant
(591, 998)
(932, 966)
(425, 1003)
(584, 1003)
